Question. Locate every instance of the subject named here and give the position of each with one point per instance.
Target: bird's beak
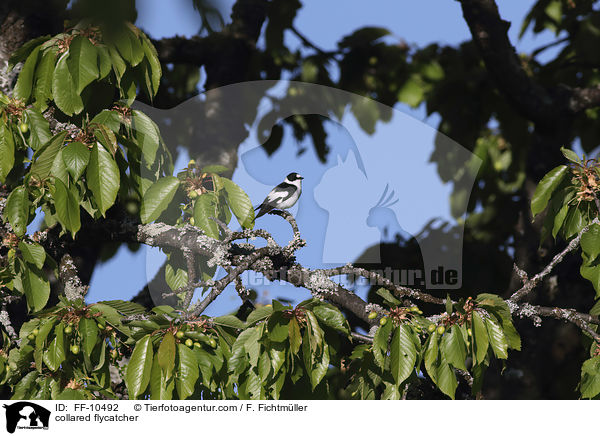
(301, 178)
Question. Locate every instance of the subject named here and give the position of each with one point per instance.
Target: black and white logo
(26, 415)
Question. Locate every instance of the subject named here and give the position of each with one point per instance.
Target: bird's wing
(280, 193)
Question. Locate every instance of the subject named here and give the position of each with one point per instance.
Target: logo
(26, 415)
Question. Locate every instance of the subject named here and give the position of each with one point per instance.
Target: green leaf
(187, 372)
(166, 353)
(497, 339)
(128, 44)
(161, 386)
(591, 273)
(43, 80)
(413, 91)
(7, 151)
(76, 157)
(446, 379)
(259, 314)
(570, 155)
(380, 343)
(574, 222)
(17, 210)
(387, 296)
(278, 327)
(139, 368)
(71, 394)
(103, 178)
(147, 135)
(294, 335)
(153, 62)
(546, 187)
(229, 321)
(67, 208)
(215, 169)
(590, 378)
(432, 353)
(33, 253)
(331, 317)
(590, 241)
(25, 50)
(55, 355)
(35, 286)
(44, 157)
(480, 337)
(205, 207)
(24, 84)
(89, 333)
(24, 386)
(39, 129)
(175, 278)
(108, 118)
(65, 95)
(403, 354)
(454, 349)
(82, 62)
(158, 197)
(240, 204)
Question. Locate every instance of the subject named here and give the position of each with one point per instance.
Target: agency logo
(24, 415)
(401, 184)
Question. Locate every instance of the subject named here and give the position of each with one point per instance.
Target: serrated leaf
(240, 203)
(166, 353)
(570, 155)
(187, 372)
(103, 178)
(480, 337)
(161, 386)
(454, 348)
(24, 85)
(278, 327)
(259, 314)
(497, 339)
(17, 210)
(55, 355)
(331, 317)
(35, 286)
(590, 241)
(590, 378)
(387, 296)
(89, 333)
(45, 156)
(546, 187)
(204, 210)
(402, 354)
(158, 197)
(33, 253)
(42, 91)
(446, 379)
(67, 207)
(139, 368)
(82, 62)
(25, 50)
(65, 95)
(175, 278)
(7, 151)
(294, 335)
(39, 129)
(229, 321)
(147, 135)
(380, 343)
(76, 157)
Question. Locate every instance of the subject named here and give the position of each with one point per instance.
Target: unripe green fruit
(191, 163)
(197, 345)
(36, 331)
(101, 325)
(31, 336)
(431, 328)
(114, 353)
(24, 127)
(189, 343)
(414, 309)
(420, 312)
(470, 332)
(193, 194)
(372, 315)
(180, 334)
(192, 221)
(68, 329)
(75, 349)
(383, 321)
(441, 329)
(212, 343)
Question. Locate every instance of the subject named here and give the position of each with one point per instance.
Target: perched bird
(283, 196)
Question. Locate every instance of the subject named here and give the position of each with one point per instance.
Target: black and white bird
(282, 196)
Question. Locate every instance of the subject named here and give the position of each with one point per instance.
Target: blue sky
(324, 23)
